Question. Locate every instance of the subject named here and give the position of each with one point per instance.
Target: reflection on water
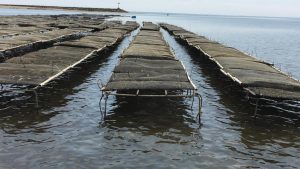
(150, 114)
(67, 131)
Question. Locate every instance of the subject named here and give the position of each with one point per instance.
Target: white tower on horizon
(118, 5)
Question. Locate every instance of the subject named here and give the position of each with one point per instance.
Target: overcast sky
(285, 8)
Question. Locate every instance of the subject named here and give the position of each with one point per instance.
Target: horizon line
(205, 14)
(208, 14)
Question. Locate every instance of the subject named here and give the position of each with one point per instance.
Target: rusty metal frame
(188, 94)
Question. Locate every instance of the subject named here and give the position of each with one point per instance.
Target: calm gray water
(67, 132)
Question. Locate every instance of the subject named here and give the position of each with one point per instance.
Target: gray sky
(285, 8)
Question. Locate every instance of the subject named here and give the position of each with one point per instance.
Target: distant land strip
(62, 8)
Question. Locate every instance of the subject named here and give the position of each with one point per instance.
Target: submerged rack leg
(103, 113)
(193, 99)
(200, 107)
(36, 100)
(256, 107)
(100, 105)
(105, 105)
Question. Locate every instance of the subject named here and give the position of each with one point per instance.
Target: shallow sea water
(67, 131)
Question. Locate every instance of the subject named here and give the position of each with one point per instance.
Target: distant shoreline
(39, 7)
